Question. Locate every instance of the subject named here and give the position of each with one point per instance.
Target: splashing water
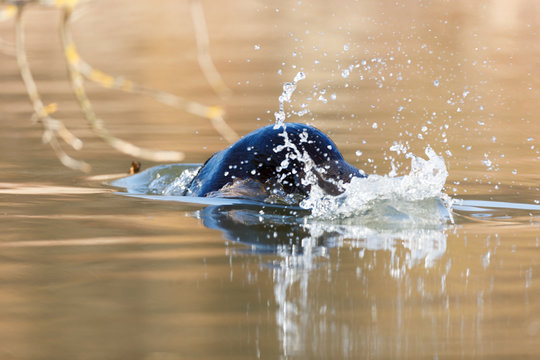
(288, 89)
(402, 200)
(166, 180)
(425, 181)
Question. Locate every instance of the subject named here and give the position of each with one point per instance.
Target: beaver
(289, 158)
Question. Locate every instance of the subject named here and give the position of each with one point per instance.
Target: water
(285, 97)
(92, 272)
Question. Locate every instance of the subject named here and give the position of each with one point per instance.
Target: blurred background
(88, 274)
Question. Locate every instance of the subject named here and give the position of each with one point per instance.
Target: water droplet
(288, 89)
(346, 47)
(374, 125)
(358, 153)
(280, 117)
(322, 99)
(486, 161)
(436, 83)
(345, 73)
(299, 76)
(514, 171)
(256, 47)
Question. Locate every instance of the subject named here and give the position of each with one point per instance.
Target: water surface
(88, 273)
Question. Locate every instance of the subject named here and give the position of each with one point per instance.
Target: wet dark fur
(254, 158)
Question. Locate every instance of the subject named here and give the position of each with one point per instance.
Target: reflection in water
(303, 245)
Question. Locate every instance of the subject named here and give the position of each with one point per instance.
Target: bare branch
(213, 113)
(78, 68)
(120, 83)
(77, 83)
(52, 127)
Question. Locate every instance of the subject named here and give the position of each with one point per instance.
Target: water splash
(288, 90)
(166, 180)
(425, 181)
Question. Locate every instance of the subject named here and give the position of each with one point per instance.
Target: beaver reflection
(268, 228)
(287, 159)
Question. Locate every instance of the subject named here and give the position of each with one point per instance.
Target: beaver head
(293, 157)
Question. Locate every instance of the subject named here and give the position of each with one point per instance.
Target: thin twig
(120, 83)
(213, 113)
(52, 127)
(203, 50)
(77, 83)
